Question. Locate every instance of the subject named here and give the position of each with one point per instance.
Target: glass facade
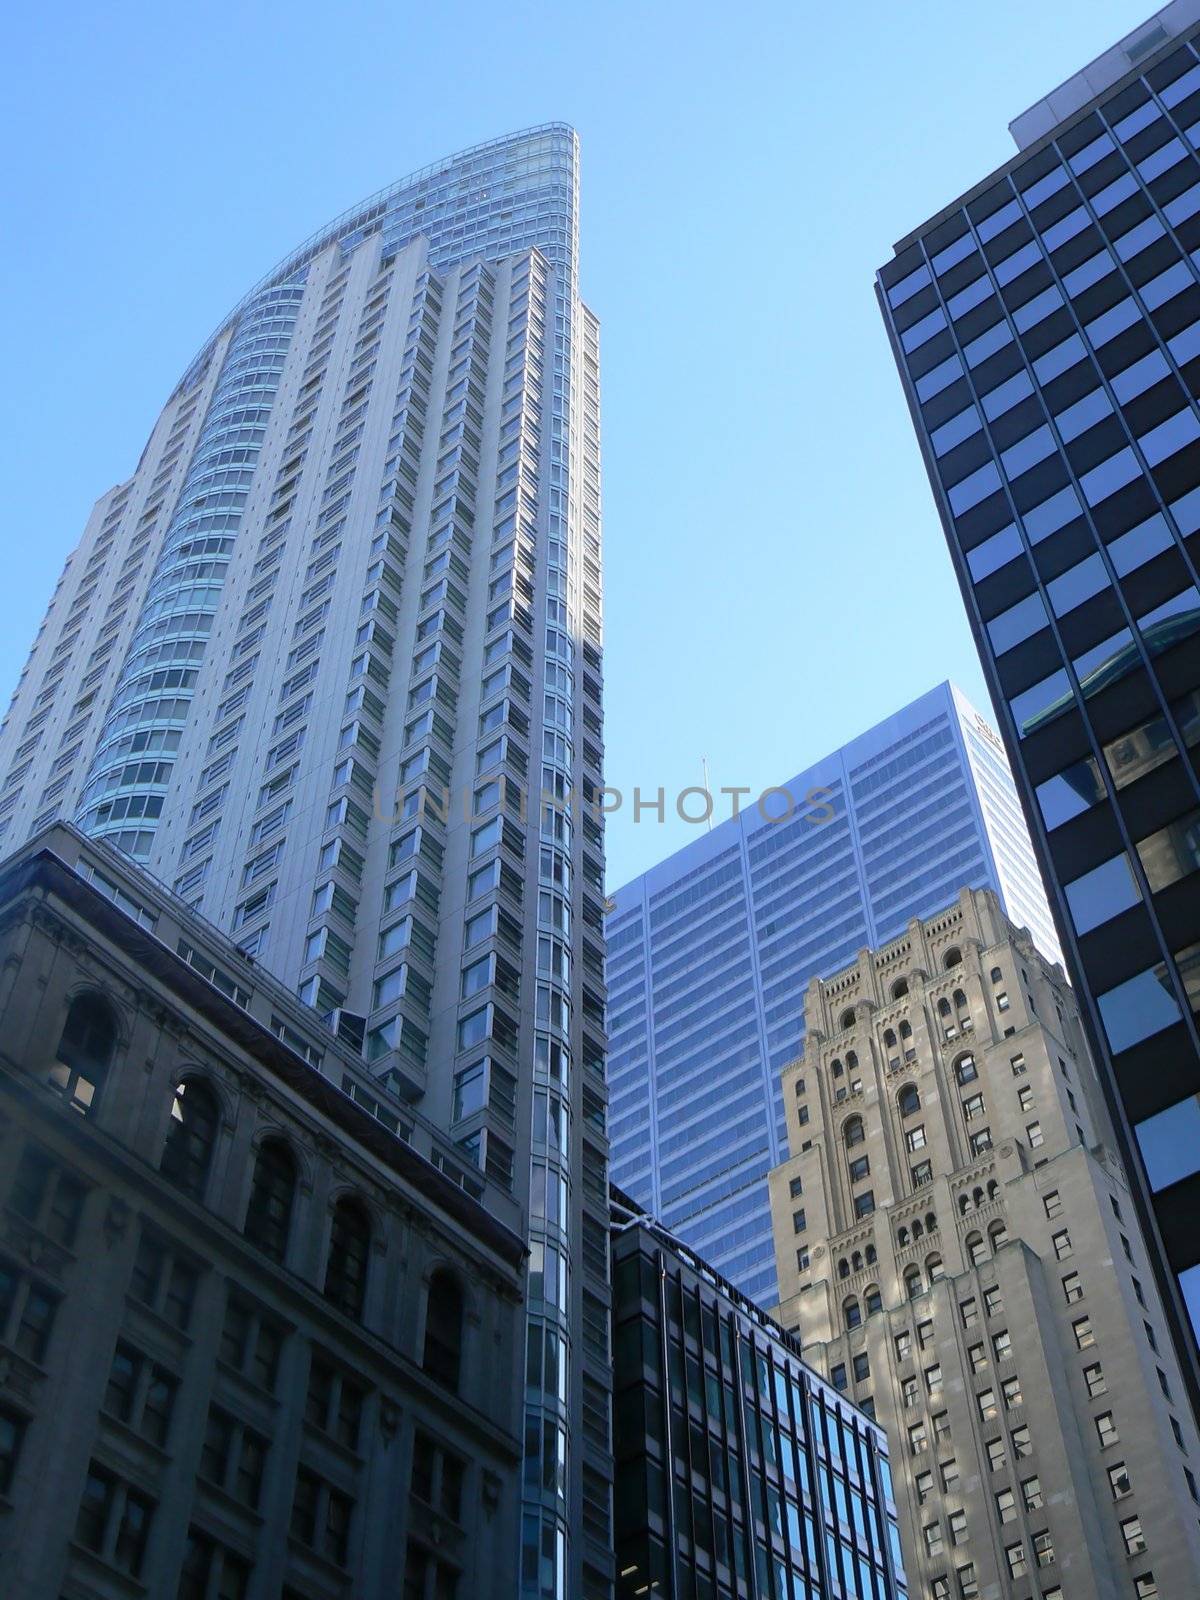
(739, 1471)
(1047, 328)
(709, 954)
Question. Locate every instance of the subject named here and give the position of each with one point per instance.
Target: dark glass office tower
(1047, 330)
(741, 1474)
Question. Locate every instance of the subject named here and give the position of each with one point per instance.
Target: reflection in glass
(1106, 662)
(1073, 790)
(1170, 1143)
(1172, 852)
(1102, 893)
(1042, 703)
(1176, 619)
(1139, 1008)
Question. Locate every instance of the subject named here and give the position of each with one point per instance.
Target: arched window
(905, 1028)
(964, 1011)
(872, 1299)
(872, 1255)
(976, 1249)
(899, 988)
(977, 1198)
(191, 1137)
(996, 975)
(889, 1039)
(993, 1188)
(952, 958)
(943, 1007)
(443, 1330)
(965, 1070)
(851, 1060)
(930, 1222)
(856, 1261)
(853, 1132)
(917, 1229)
(964, 1204)
(85, 1052)
(843, 1268)
(934, 1268)
(851, 1312)
(269, 1214)
(349, 1253)
(909, 1100)
(912, 1282)
(835, 1068)
(902, 1237)
(997, 1235)
(848, 1018)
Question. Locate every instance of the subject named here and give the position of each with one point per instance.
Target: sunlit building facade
(313, 666)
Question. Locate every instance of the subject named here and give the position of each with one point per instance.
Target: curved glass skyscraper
(308, 664)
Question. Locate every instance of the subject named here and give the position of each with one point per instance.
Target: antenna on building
(707, 790)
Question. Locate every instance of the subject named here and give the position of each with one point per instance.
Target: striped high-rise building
(308, 661)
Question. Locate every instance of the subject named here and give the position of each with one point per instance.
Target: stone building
(957, 1249)
(259, 1336)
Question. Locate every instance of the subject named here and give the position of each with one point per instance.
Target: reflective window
(1144, 233)
(1112, 322)
(988, 343)
(1065, 228)
(1042, 702)
(1168, 284)
(1020, 261)
(1172, 621)
(1052, 514)
(1140, 544)
(921, 332)
(1112, 194)
(1139, 751)
(974, 488)
(1090, 154)
(1172, 852)
(998, 221)
(1083, 414)
(1105, 662)
(907, 287)
(1162, 159)
(1163, 441)
(1027, 452)
(974, 294)
(953, 253)
(1062, 356)
(1141, 376)
(994, 553)
(1181, 88)
(1185, 346)
(939, 378)
(1145, 114)
(961, 427)
(1068, 793)
(1183, 206)
(1045, 187)
(1102, 893)
(1138, 1008)
(1090, 272)
(1019, 622)
(1109, 476)
(1077, 584)
(1040, 307)
(1170, 1143)
(1006, 395)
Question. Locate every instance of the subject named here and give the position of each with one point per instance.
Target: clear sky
(776, 579)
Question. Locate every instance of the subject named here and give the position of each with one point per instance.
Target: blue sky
(776, 579)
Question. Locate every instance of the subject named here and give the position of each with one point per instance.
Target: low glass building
(739, 1472)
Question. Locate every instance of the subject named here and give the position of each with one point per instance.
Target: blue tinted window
(994, 553)
(1169, 436)
(1068, 793)
(1173, 281)
(1020, 261)
(1175, 619)
(1186, 511)
(974, 488)
(1092, 270)
(1183, 206)
(1033, 311)
(974, 294)
(1083, 415)
(1109, 476)
(907, 287)
(1077, 584)
(1145, 114)
(1027, 452)
(955, 431)
(1189, 1287)
(1184, 346)
(1052, 514)
(998, 221)
(1159, 160)
(1132, 243)
(921, 332)
(1041, 702)
(1006, 395)
(988, 343)
(1019, 622)
(953, 253)
(939, 378)
(1138, 1008)
(1120, 189)
(1045, 187)
(1091, 153)
(1172, 852)
(1140, 544)
(1170, 1143)
(1181, 88)
(1065, 228)
(1102, 893)
(1141, 376)
(1063, 355)
(1105, 662)
(1113, 321)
